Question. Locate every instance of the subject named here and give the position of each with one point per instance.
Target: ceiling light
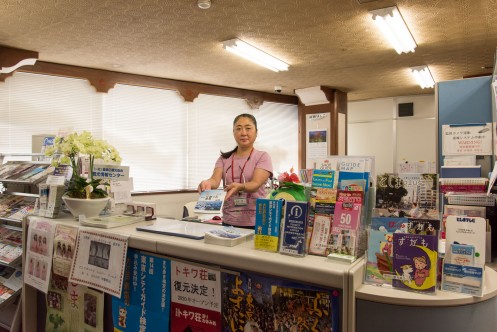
(204, 4)
(394, 28)
(254, 54)
(423, 76)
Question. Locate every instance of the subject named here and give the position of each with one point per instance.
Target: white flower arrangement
(69, 149)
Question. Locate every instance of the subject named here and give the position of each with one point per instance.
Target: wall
(375, 129)
(462, 102)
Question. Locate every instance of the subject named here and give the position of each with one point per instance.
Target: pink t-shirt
(243, 215)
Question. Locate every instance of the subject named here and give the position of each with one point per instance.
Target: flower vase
(289, 191)
(87, 207)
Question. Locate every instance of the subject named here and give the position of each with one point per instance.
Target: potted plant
(289, 187)
(83, 192)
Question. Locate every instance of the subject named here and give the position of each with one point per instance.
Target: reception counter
(360, 305)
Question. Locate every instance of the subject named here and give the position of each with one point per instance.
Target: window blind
(168, 144)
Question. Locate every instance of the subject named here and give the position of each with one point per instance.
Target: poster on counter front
(72, 307)
(64, 244)
(252, 302)
(39, 253)
(195, 298)
(99, 260)
(145, 301)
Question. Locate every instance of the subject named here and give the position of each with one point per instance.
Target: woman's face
(244, 132)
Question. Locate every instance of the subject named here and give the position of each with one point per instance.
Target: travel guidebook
(210, 201)
(346, 222)
(267, 224)
(412, 195)
(253, 302)
(321, 209)
(415, 262)
(355, 168)
(294, 229)
(380, 248)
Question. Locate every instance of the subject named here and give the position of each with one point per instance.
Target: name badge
(240, 200)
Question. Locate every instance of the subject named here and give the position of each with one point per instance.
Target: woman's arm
(213, 182)
(258, 179)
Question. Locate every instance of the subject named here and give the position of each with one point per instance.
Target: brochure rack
(17, 198)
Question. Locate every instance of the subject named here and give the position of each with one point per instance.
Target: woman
(243, 171)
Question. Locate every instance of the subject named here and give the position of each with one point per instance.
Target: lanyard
(233, 164)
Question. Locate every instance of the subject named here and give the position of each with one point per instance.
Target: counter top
(389, 295)
(311, 269)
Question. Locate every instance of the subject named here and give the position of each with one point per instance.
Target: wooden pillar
(331, 104)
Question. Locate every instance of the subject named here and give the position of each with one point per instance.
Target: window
(168, 144)
(210, 130)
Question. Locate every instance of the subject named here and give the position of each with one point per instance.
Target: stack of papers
(111, 221)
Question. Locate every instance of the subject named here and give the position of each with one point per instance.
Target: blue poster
(145, 301)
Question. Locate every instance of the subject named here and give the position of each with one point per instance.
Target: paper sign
(467, 139)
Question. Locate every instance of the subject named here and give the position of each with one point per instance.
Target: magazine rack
(18, 197)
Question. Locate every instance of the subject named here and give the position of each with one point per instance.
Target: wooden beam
(104, 80)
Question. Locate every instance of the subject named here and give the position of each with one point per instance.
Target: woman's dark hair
(228, 154)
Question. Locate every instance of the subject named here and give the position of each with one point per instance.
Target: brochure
(210, 201)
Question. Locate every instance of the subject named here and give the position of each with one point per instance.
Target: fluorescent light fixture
(249, 52)
(423, 76)
(25, 62)
(394, 28)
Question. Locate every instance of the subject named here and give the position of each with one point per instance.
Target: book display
(404, 232)
(339, 206)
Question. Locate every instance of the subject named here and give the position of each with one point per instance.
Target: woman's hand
(204, 185)
(233, 188)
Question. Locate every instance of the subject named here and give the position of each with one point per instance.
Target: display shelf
(390, 295)
(34, 156)
(9, 315)
(14, 206)
(19, 181)
(442, 311)
(10, 246)
(24, 172)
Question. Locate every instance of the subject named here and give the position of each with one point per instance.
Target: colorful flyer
(144, 304)
(195, 298)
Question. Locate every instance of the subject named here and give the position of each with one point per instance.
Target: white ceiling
(327, 42)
